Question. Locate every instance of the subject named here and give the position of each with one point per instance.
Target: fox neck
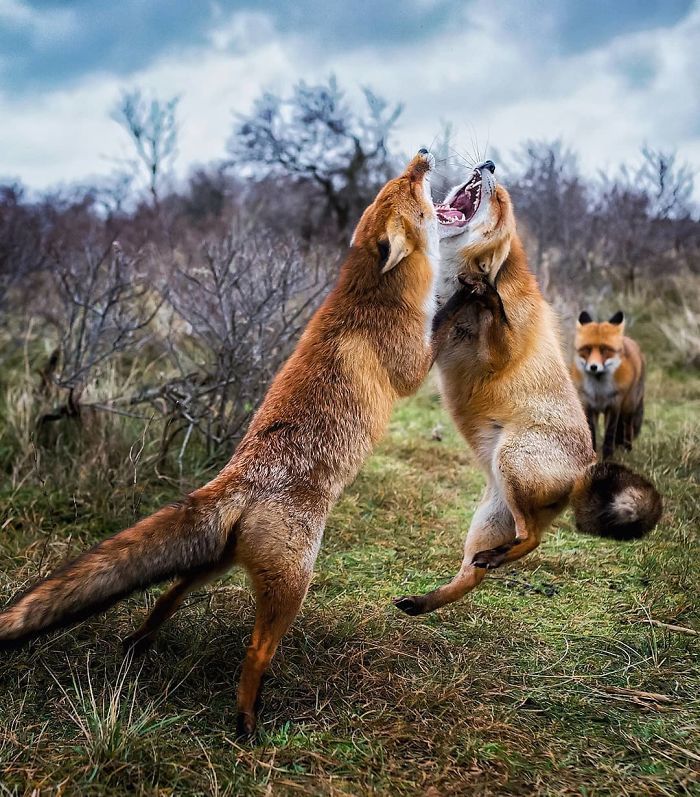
(412, 283)
(514, 280)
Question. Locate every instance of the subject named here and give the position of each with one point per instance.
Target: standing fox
(505, 382)
(609, 374)
(266, 510)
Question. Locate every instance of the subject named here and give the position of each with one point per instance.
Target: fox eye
(585, 351)
(606, 351)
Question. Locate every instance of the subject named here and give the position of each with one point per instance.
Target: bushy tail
(609, 500)
(176, 540)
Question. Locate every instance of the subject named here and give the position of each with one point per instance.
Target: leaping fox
(505, 382)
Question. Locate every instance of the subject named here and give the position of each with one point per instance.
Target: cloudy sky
(605, 75)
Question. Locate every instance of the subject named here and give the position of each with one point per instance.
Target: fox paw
(136, 644)
(410, 604)
(245, 726)
(492, 558)
(476, 285)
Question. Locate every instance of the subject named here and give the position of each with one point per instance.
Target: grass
(550, 679)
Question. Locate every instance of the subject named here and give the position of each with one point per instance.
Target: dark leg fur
(484, 293)
(637, 419)
(612, 417)
(494, 557)
(592, 418)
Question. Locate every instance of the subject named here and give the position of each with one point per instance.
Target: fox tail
(609, 500)
(176, 540)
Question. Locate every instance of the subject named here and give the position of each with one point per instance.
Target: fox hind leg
(171, 600)
(506, 553)
(278, 551)
(165, 607)
(279, 596)
(492, 527)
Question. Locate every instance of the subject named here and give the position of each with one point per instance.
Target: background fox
(504, 380)
(323, 413)
(609, 373)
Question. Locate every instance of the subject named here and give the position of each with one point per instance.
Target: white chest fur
(430, 306)
(599, 390)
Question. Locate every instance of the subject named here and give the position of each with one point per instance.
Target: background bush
(152, 319)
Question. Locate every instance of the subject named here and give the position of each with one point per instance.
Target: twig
(656, 697)
(693, 756)
(681, 629)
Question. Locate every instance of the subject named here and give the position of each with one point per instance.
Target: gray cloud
(45, 44)
(500, 72)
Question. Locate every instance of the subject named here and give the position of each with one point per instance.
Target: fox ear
(618, 318)
(584, 318)
(394, 248)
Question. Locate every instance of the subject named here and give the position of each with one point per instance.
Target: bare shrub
(238, 306)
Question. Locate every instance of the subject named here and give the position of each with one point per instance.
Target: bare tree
(452, 165)
(668, 183)
(153, 128)
(642, 214)
(22, 240)
(316, 138)
(552, 199)
(112, 194)
(626, 232)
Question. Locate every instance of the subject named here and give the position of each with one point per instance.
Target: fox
(265, 511)
(609, 371)
(504, 380)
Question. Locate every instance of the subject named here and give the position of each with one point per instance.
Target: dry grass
(549, 680)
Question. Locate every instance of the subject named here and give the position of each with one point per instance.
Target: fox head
(402, 218)
(599, 345)
(476, 223)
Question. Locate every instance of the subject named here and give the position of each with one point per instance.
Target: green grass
(548, 680)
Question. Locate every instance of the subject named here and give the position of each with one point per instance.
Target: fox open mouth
(463, 205)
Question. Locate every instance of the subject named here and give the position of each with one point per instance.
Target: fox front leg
(592, 419)
(443, 320)
(612, 418)
(483, 292)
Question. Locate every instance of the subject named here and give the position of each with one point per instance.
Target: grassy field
(559, 676)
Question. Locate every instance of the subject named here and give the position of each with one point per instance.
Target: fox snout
(422, 164)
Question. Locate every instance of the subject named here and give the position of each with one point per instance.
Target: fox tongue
(447, 213)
